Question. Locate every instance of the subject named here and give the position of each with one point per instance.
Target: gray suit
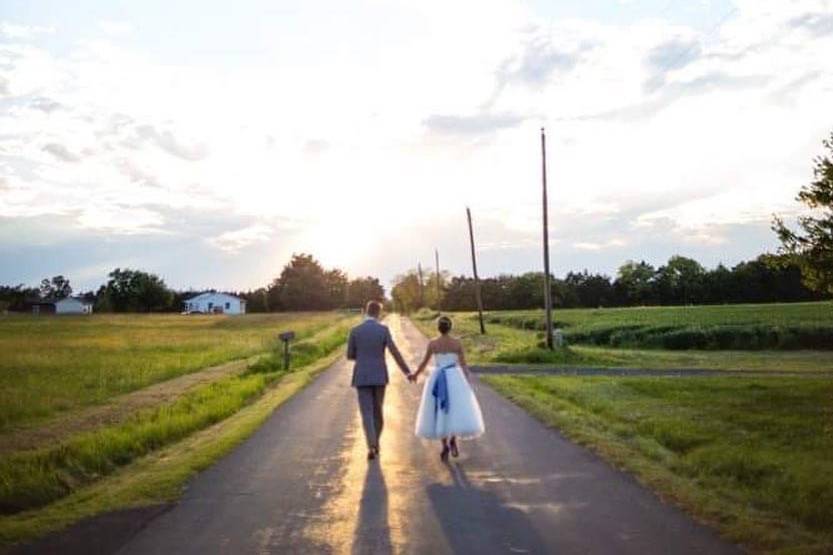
(366, 346)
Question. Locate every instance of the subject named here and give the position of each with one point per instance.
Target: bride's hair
(444, 324)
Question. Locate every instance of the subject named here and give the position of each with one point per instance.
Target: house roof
(209, 294)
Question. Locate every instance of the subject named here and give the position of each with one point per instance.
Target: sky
(208, 141)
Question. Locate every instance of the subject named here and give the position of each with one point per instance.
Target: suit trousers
(371, 399)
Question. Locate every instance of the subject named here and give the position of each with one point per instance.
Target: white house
(71, 305)
(215, 303)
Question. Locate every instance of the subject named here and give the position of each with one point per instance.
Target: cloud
(167, 142)
(597, 246)
(115, 28)
(15, 31)
(538, 61)
(819, 24)
(4, 86)
(234, 241)
(61, 152)
(121, 220)
(44, 104)
(477, 124)
(136, 174)
(667, 57)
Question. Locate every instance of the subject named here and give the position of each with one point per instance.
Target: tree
(337, 283)
(302, 285)
(812, 250)
(362, 290)
(635, 282)
(257, 300)
(680, 281)
(134, 291)
(15, 297)
(56, 288)
(407, 292)
(592, 290)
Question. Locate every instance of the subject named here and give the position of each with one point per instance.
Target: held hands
(412, 377)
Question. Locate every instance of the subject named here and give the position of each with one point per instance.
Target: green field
(54, 364)
(514, 337)
(721, 327)
(748, 455)
(58, 367)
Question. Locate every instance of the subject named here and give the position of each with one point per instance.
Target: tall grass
(52, 364)
(35, 478)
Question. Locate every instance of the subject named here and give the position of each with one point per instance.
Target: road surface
(302, 484)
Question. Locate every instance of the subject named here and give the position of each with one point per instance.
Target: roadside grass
(716, 327)
(505, 344)
(159, 477)
(35, 478)
(748, 455)
(54, 364)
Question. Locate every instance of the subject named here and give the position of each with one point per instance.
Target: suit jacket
(366, 346)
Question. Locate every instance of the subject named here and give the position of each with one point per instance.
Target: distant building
(69, 305)
(214, 303)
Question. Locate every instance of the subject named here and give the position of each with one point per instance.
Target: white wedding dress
(456, 411)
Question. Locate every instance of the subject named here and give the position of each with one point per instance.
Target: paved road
(301, 484)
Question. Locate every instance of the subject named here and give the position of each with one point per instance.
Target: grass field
(512, 338)
(749, 455)
(721, 327)
(159, 476)
(34, 480)
(54, 364)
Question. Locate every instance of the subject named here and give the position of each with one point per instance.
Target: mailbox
(286, 337)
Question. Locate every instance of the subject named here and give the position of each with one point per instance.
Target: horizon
(207, 146)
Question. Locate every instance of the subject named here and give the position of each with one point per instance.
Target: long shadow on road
(468, 515)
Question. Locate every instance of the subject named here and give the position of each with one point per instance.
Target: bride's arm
(424, 362)
(463, 363)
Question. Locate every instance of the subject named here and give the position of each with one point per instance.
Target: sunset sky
(208, 141)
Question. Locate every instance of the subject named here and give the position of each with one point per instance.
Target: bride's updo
(444, 324)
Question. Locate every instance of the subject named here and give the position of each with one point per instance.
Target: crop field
(720, 327)
(58, 368)
(749, 455)
(55, 364)
(596, 337)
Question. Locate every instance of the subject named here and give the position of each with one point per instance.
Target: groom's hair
(373, 309)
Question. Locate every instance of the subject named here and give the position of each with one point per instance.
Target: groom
(366, 346)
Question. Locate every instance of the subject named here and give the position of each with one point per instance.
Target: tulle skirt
(463, 419)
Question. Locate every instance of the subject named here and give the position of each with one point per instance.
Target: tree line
(303, 284)
(681, 281)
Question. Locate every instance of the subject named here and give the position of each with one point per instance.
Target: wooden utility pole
(547, 287)
(421, 288)
(476, 279)
(437, 264)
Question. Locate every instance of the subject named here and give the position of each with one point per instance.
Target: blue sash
(440, 390)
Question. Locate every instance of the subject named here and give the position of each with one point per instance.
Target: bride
(449, 409)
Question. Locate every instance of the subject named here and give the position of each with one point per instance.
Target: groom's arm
(397, 356)
(351, 346)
